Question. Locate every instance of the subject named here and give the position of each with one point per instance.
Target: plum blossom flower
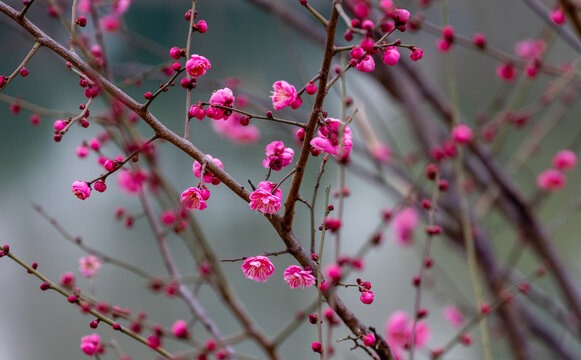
(192, 199)
(263, 200)
(232, 129)
(180, 329)
(506, 72)
(462, 134)
(131, 181)
(257, 268)
(208, 176)
(277, 156)
(390, 55)
(110, 23)
(81, 189)
(222, 97)
(296, 277)
(551, 180)
(283, 94)
(90, 344)
(369, 339)
(398, 331)
(197, 65)
(565, 160)
(404, 225)
(530, 49)
(367, 64)
(367, 297)
(89, 265)
(328, 139)
(454, 316)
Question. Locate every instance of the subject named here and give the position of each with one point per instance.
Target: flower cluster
(398, 332)
(223, 97)
(277, 156)
(328, 140)
(263, 200)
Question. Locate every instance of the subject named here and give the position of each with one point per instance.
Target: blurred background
(246, 43)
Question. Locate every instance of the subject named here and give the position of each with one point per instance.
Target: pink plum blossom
(121, 6)
(454, 316)
(90, 344)
(232, 129)
(82, 151)
(263, 200)
(506, 72)
(81, 189)
(328, 139)
(222, 97)
(565, 160)
(416, 54)
(68, 280)
(367, 297)
(369, 339)
(399, 329)
(558, 16)
(283, 94)
(180, 329)
(551, 180)
(462, 134)
(530, 49)
(208, 176)
(110, 23)
(367, 64)
(277, 156)
(89, 265)
(197, 65)
(257, 268)
(390, 55)
(404, 225)
(131, 181)
(198, 112)
(192, 199)
(296, 277)
(334, 272)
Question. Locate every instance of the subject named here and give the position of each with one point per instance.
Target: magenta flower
(398, 332)
(131, 181)
(257, 268)
(90, 344)
(367, 297)
(180, 329)
(222, 97)
(192, 199)
(198, 112)
(462, 134)
(551, 180)
(89, 265)
(565, 160)
(263, 200)
(277, 156)
(296, 277)
(530, 49)
(81, 189)
(208, 176)
(197, 65)
(404, 225)
(367, 64)
(369, 339)
(454, 316)
(506, 72)
(68, 280)
(110, 23)
(283, 94)
(232, 129)
(390, 55)
(328, 139)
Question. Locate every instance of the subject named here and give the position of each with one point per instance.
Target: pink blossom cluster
(223, 97)
(264, 200)
(555, 178)
(194, 199)
(91, 344)
(208, 176)
(277, 156)
(233, 129)
(398, 330)
(328, 140)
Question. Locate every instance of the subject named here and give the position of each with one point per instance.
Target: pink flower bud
(81, 190)
(366, 297)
